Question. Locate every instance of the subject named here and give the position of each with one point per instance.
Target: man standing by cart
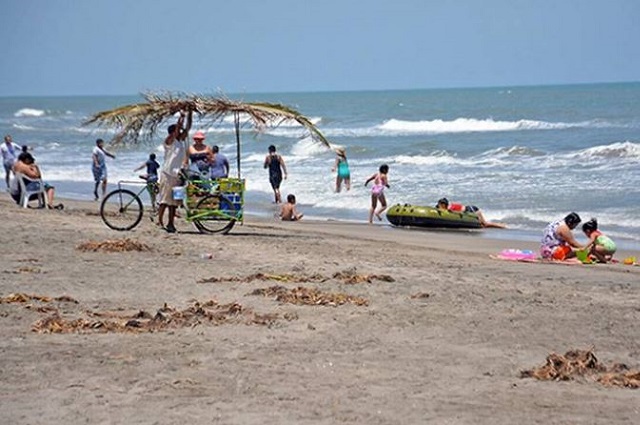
(175, 151)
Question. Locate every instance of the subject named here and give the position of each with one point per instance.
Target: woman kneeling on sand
(558, 241)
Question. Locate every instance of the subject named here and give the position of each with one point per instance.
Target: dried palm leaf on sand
(584, 364)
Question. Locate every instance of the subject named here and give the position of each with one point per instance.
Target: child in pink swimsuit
(380, 181)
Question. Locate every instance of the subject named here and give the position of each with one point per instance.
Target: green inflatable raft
(419, 216)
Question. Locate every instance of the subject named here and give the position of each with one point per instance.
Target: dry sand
(444, 342)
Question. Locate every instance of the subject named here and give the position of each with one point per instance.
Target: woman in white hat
(342, 166)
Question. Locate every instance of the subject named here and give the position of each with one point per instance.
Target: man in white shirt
(175, 151)
(10, 152)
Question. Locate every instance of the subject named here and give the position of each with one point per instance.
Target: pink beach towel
(528, 256)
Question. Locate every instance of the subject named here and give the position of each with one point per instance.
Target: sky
(123, 47)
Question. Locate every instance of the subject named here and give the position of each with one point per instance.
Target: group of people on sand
(17, 160)
(559, 243)
(196, 161)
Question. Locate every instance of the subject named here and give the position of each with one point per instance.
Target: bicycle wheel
(214, 214)
(121, 210)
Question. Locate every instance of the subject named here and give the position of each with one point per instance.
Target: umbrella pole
(236, 117)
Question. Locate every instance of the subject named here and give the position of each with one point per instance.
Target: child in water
(288, 212)
(380, 181)
(601, 246)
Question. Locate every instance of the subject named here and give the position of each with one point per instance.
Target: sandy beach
(407, 326)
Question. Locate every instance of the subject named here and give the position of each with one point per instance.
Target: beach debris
(265, 277)
(25, 298)
(113, 245)
(584, 364)
(309, 296)
(165, 318)
(25, 269)
(421, 295)
(347, 276)
(351, 277)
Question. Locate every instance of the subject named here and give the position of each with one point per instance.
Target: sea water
(524, 155)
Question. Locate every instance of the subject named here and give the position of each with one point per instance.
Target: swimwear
(275, 172)
(201, 161)
(343, 169)
(378, 187)
(606, 242)
(99, 173)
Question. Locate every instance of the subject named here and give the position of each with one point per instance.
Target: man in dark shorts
(275, 164)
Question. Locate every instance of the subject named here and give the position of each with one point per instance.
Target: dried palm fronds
(583, 363)
(265, 277)
(144, 118)
(115, 245)
(309, 296)
(165, 318)
(25, 269)
(354, 278)
(348, 277)
(23, 298)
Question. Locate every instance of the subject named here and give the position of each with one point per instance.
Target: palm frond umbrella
(143, 119)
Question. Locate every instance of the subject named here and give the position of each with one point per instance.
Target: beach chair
(26, 195)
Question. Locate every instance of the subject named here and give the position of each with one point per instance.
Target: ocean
(525, 155)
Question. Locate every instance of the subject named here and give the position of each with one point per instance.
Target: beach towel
(528, 256)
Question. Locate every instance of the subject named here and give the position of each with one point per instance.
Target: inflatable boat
(418, 216)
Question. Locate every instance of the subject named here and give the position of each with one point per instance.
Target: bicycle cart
(213, 206)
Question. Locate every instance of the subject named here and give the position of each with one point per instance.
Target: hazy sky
(77, 47)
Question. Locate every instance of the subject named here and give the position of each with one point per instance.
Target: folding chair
(37, 191)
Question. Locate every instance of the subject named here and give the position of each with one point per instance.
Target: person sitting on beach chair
(25, 169)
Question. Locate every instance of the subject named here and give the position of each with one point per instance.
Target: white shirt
(100, 156)
(174, 155)
(10, 152)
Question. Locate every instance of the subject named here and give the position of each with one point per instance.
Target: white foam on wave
(396, 127)
(437, 158)
(471, 125)
(22, 127)
(29, 112)
(626, 149)
(512, 151)
(307, 147)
